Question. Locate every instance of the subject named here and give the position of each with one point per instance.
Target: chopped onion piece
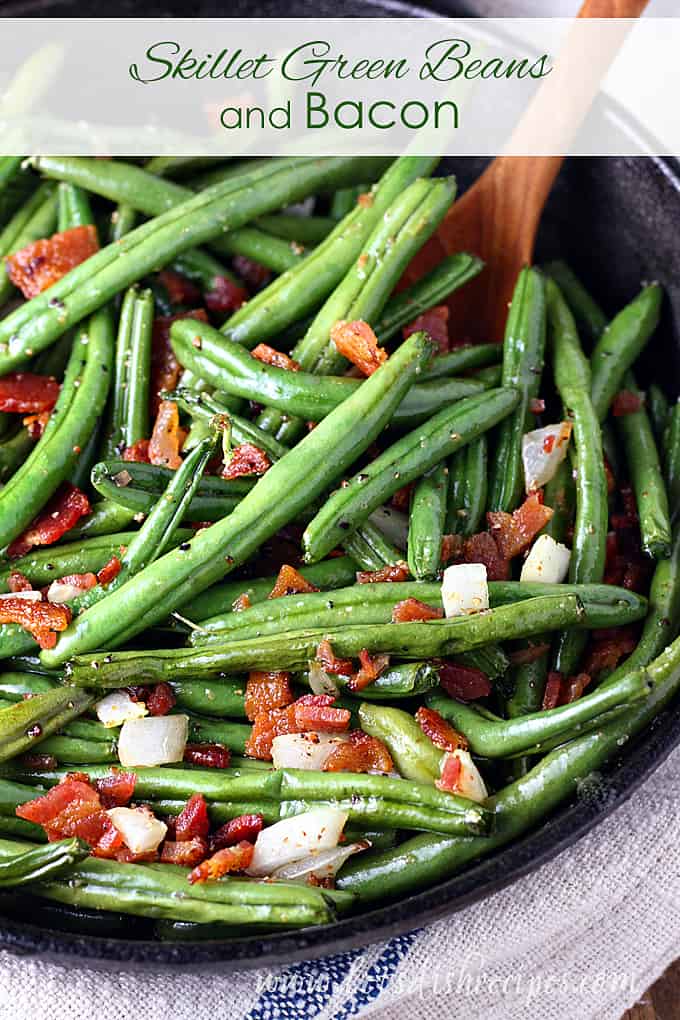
(547, 561)
(543, 450)
(297, 837)
(141, 831)
(156, 740)
(304, 750)
(320, 866)
(60, 592)
(31, 596)
(117, 707)
(470, 783)
(464, 589)
(320, 681)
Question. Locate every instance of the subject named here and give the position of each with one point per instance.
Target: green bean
(14, 685)
(462, 359)
(104, 521)
(490, 376)
(216, 731)
(130, 405)
(17, 828)
(223, 811)
(404, 680)
(41, 863)
(204, 270)
(345, 199)
(414, 754)
(14, 794)
(272, 252)
(468, 487)
(85, 731)
(77, 751)
(278, 497)
(10, 167)
(302, 229)
(424, 639)
(590, 319)
(672, 444)
(374, 811)
(13, 452)
(393, 524)
(204, 407)
(659, 409)
(34, 220)
(560, 495)
(211, 698)
(26, 723)
(369, 548)
(404, 461)
(42, 566)
(181, 166)
(427, 521)
(73, 208)
(123, 220)
(646, 477)
(522, 367)
(620, 344)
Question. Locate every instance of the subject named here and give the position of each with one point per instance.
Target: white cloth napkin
(583, 936)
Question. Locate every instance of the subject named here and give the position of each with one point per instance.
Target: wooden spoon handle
(612, 8)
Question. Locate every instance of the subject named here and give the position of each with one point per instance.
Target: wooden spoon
(497, 218)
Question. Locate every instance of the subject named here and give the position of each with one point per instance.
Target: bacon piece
(181, 291)
(607, 652)
(35, 424)
(269, 356)
(361, 753)
(61, 514)
(536, 405)
(27, 393)
(41, 619)
(523, 656)
(265, 691)
(39, 762)
(574, 688)
(37, 266)
(208, 756)
(245, 827)
(434, 322)
(370, 668)
(316, 712)
(116, 789)
(357, 342)
(18, 582)
(72, 808)
(231, 858)
(440, 732)
(391, 572)
(109, 845)
(611, 480)
(193, 819)
(126, 856)
(413, 610)
(274, 722)
(241, 603)
(44, 809)
(160, 699)
(83, 582)
(626, 402)
(253, 273)
(187, 853)
(246, 459)
(553, 690)
(109, 571)
(514, 532)
(482, 548)
(225, 295)
(464, 683)
(452, 547)
(290, 582)
(167, 437)
(450, 774)
(328, 661)
(401, 499)
(138, 453)
(165, 368)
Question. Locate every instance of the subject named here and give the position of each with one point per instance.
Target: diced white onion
(294, 838)
(156, 740)
(140, 830)
(320, 681)
(30, 596)
(543, 450)
(304, 750)
(117, 707)
(464, 589)
(320, 866)
(60, 592)
(547, 561)
(470, 783)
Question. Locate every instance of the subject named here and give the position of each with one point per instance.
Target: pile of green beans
(362, 491)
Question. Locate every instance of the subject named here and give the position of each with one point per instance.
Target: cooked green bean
(468, 487)
(27, 723)
(590, 319)
(659, 409)
(427, 521)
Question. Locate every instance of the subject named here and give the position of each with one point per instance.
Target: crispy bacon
(167, 437)
(27, 393)
(553, 690)
(181, 291)
(611, 480)
(245, 827)
(607, 652)
(72, 808)
(126, 856)
(39, 762)
(450, 774)
(109, 845)
(40, 264)
(269, 356)
(231, 858)
(434, 322)
(574, 688)
(482, 548)
(61, 514)
(452, 547)
(536, 405)
(361, 753)
(357, 342)
(316, 712)
(523, 656)
(109, 571)
(160, 699)
(165, 368)
(401, 499)
(514, 532)
(241, 603)
(193, 819)
(464, 683)
(626, 402)
(225, 295)
(187, 853)
(43, 809)
(290, 582)
(265, 691)
(138, 453)
(268, 724)
(440, 732)
(370, 668)
(208, 756)
(246, 459)
(253, 273)
(41, 619)
(328, 661)
(18, 582)
(413, 610)
(35, 424)
(116, 789)
(391, 572)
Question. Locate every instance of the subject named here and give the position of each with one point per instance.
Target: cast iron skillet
(616, 220)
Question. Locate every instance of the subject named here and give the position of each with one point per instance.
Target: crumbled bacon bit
(290, 582)
(482, 548)
(440, 732)
(255, 275)
(536, 405)
(574, 688)
(464, 683)
(523, 656)
(401, 499)
(209, 756)
(514, 532)
(611, 480)
(370, 668)
(265, 691)
(413, 610)
(553, 690)
(43, 620)
(40, 264)
(607, 652)
(452, 547)
(165, 368)
(225, 295)
(17, 582)
(109, 571)
(269, 356)
(316, 712)
(365, 199)
(71, 808)
(27, 393)
(181, 291)
(626, 402)
(116, 789)
(35, 424)
(167, 437)
(241, 603)
(268, 724)
(246, 459)
(83, 582)
(109, 845)
(193, 819)
(450, 774)
(61, 514)
(187, 853)
(357, 342)
(245, 827)
(232, 858)
(138, 453)
(391, 572)
(328, 661)
(160, 699)
(126, 856)
(434, 322)
(361, 753)
(39, 762)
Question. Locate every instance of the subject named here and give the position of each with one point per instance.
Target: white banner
(339, 86)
